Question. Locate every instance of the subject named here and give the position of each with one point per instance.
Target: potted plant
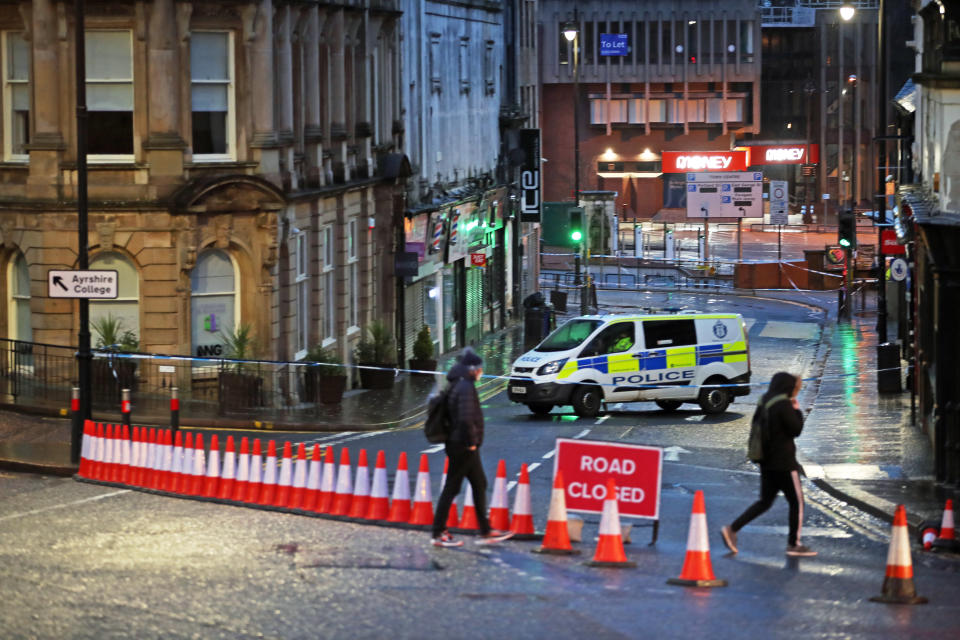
(111, 374)
(376, 349)
(423, 353)
(239, 384)
(325, 381)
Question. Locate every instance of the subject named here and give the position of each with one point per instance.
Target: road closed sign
(587, 464)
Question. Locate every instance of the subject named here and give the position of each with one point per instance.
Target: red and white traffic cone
(86, 455)
(610, 551)
(453, 518)
(109, 459)
(211, 483)
(160, 455)
(299, 478)
(138, 456)
(165, 470)
(97, 445)
(522, 523)
(947, 539)
(268, 487)
(186, 468)
(379, 507)
(282, 496)
(929, 536)
(400, 502)
(898, 585)
(556, 537)
(361, 488)
(499, 511)
(311, 492)
(241, 484)
(468, 519)
(228, 475)
(199, 467)
(150, 466)
(176, 464)
(255, 479)
(422, 498)
(344, 491)
(697, 568)
(327, 482)
(125, 459)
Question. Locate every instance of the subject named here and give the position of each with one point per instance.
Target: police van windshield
(570, 335)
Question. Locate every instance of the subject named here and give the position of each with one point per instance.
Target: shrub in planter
(239, 384)
(324, 382)
(376, 349)
(108, 376)
(423, 353)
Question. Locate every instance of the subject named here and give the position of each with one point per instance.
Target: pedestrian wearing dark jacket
(463, 450)
(779, 469)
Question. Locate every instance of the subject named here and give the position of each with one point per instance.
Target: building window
(212, 302)
(125, 308)
(16, 96)
(329, 311)
(109, 68)
(353, 274)
(489, 68)
(212, 95)
(303, 295)
(463, 64)
(435, 62)
(18, 304)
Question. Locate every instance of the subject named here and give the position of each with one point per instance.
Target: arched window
(212, 302)
(126, 306)
(18, 301)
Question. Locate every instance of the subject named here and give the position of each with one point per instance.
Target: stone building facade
(243, 169)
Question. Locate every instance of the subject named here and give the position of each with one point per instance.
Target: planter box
(376, 378)
(325, 389)
(423, 365)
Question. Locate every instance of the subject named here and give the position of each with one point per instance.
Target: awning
(906, 98)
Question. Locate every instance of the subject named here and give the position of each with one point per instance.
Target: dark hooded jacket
(784, 423)
(466, 417)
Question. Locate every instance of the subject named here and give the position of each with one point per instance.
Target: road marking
(812, 532)
(61, 506)
(434, 449)
(549, 454)
(602, 419)
(532, 466)
(581, 434)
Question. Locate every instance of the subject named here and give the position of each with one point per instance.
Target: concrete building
(243, 169)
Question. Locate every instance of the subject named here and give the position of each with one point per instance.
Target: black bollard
(125, 406)
(174, 409)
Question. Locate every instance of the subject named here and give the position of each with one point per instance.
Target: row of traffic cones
(161, 460)
(945, 538)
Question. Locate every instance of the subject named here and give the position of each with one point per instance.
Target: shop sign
(478, 259)
(784, 154)
(530, 176)
(686, 161)
(891, 245)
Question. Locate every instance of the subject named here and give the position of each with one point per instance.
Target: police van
(667, 359)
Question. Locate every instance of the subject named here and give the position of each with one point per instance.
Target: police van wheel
(669, 405)
(714, 400)
(540, 408)
(586, 401)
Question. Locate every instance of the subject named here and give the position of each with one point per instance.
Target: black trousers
(464, 463)
(771, 483)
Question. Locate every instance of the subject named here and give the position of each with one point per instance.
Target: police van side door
(669, 360)
(610, 354)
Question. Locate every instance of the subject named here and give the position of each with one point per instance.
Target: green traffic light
(575, 236)
(844, 242)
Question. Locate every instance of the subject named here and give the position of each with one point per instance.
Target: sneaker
(800, 550)
(446, 540)
(729, 538)
(494, 536)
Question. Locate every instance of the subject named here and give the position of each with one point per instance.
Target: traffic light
(847, 229)
(576, 225)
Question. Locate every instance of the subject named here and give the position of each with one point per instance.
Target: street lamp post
(571, 31)
(881, 181)
(846, 14)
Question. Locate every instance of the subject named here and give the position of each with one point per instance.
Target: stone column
(338, 97)
(165, 145)
(258, 38)
(47, 145)
(313, 134)
(284, 85)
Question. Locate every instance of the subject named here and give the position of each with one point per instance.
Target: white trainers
(800, 550)
(494, 536)
(445, 539)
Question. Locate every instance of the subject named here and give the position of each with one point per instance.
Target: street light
(847, 12)
(571, 31)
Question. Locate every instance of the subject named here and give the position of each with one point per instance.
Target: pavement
(865, 448)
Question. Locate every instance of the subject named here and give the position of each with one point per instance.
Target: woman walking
(779, 469)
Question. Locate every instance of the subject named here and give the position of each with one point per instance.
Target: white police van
(667, 359)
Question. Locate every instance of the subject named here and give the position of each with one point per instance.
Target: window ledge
(352, 330)
(300, 355)
(327, 342)
(208, 164)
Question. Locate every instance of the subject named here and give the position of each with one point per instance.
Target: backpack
(437, 425)
(758, 428)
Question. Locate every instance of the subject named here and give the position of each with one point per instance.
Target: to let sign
(613, 44)
(587, 464)
(97, 285)
(478, 259)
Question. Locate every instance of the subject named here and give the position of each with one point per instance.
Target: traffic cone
(361, 488)
(241, 484)
(137, 458)
(166, 461)
(344, 491)
(211, 482)
(947, 538)
(468, 519)
(400, 502)
(499, 512)
(697, 568)
(197, 475)
(96, 445)
(282, 496)
(379, 507)
(186, 468)
(522, 523)
(125, 451)
(299, 478)
(176, 465)
(929, 535)
(898, 586)
(109, 462)
(453, 519)
(610, 551)
(268, 487)
(556, 538)
(85, 450)
(311, 493)
(325, 503)
(255, 480)
(150, 466)
(422, 499)
(228, 476)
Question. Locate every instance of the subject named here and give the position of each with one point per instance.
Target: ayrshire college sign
(686, 161)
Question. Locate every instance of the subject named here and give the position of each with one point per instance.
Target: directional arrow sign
(100, 285)
(672, 454)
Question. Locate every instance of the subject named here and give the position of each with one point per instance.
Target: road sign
(898, 269)
(586, 465)
(97, 285)
(737, 194)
